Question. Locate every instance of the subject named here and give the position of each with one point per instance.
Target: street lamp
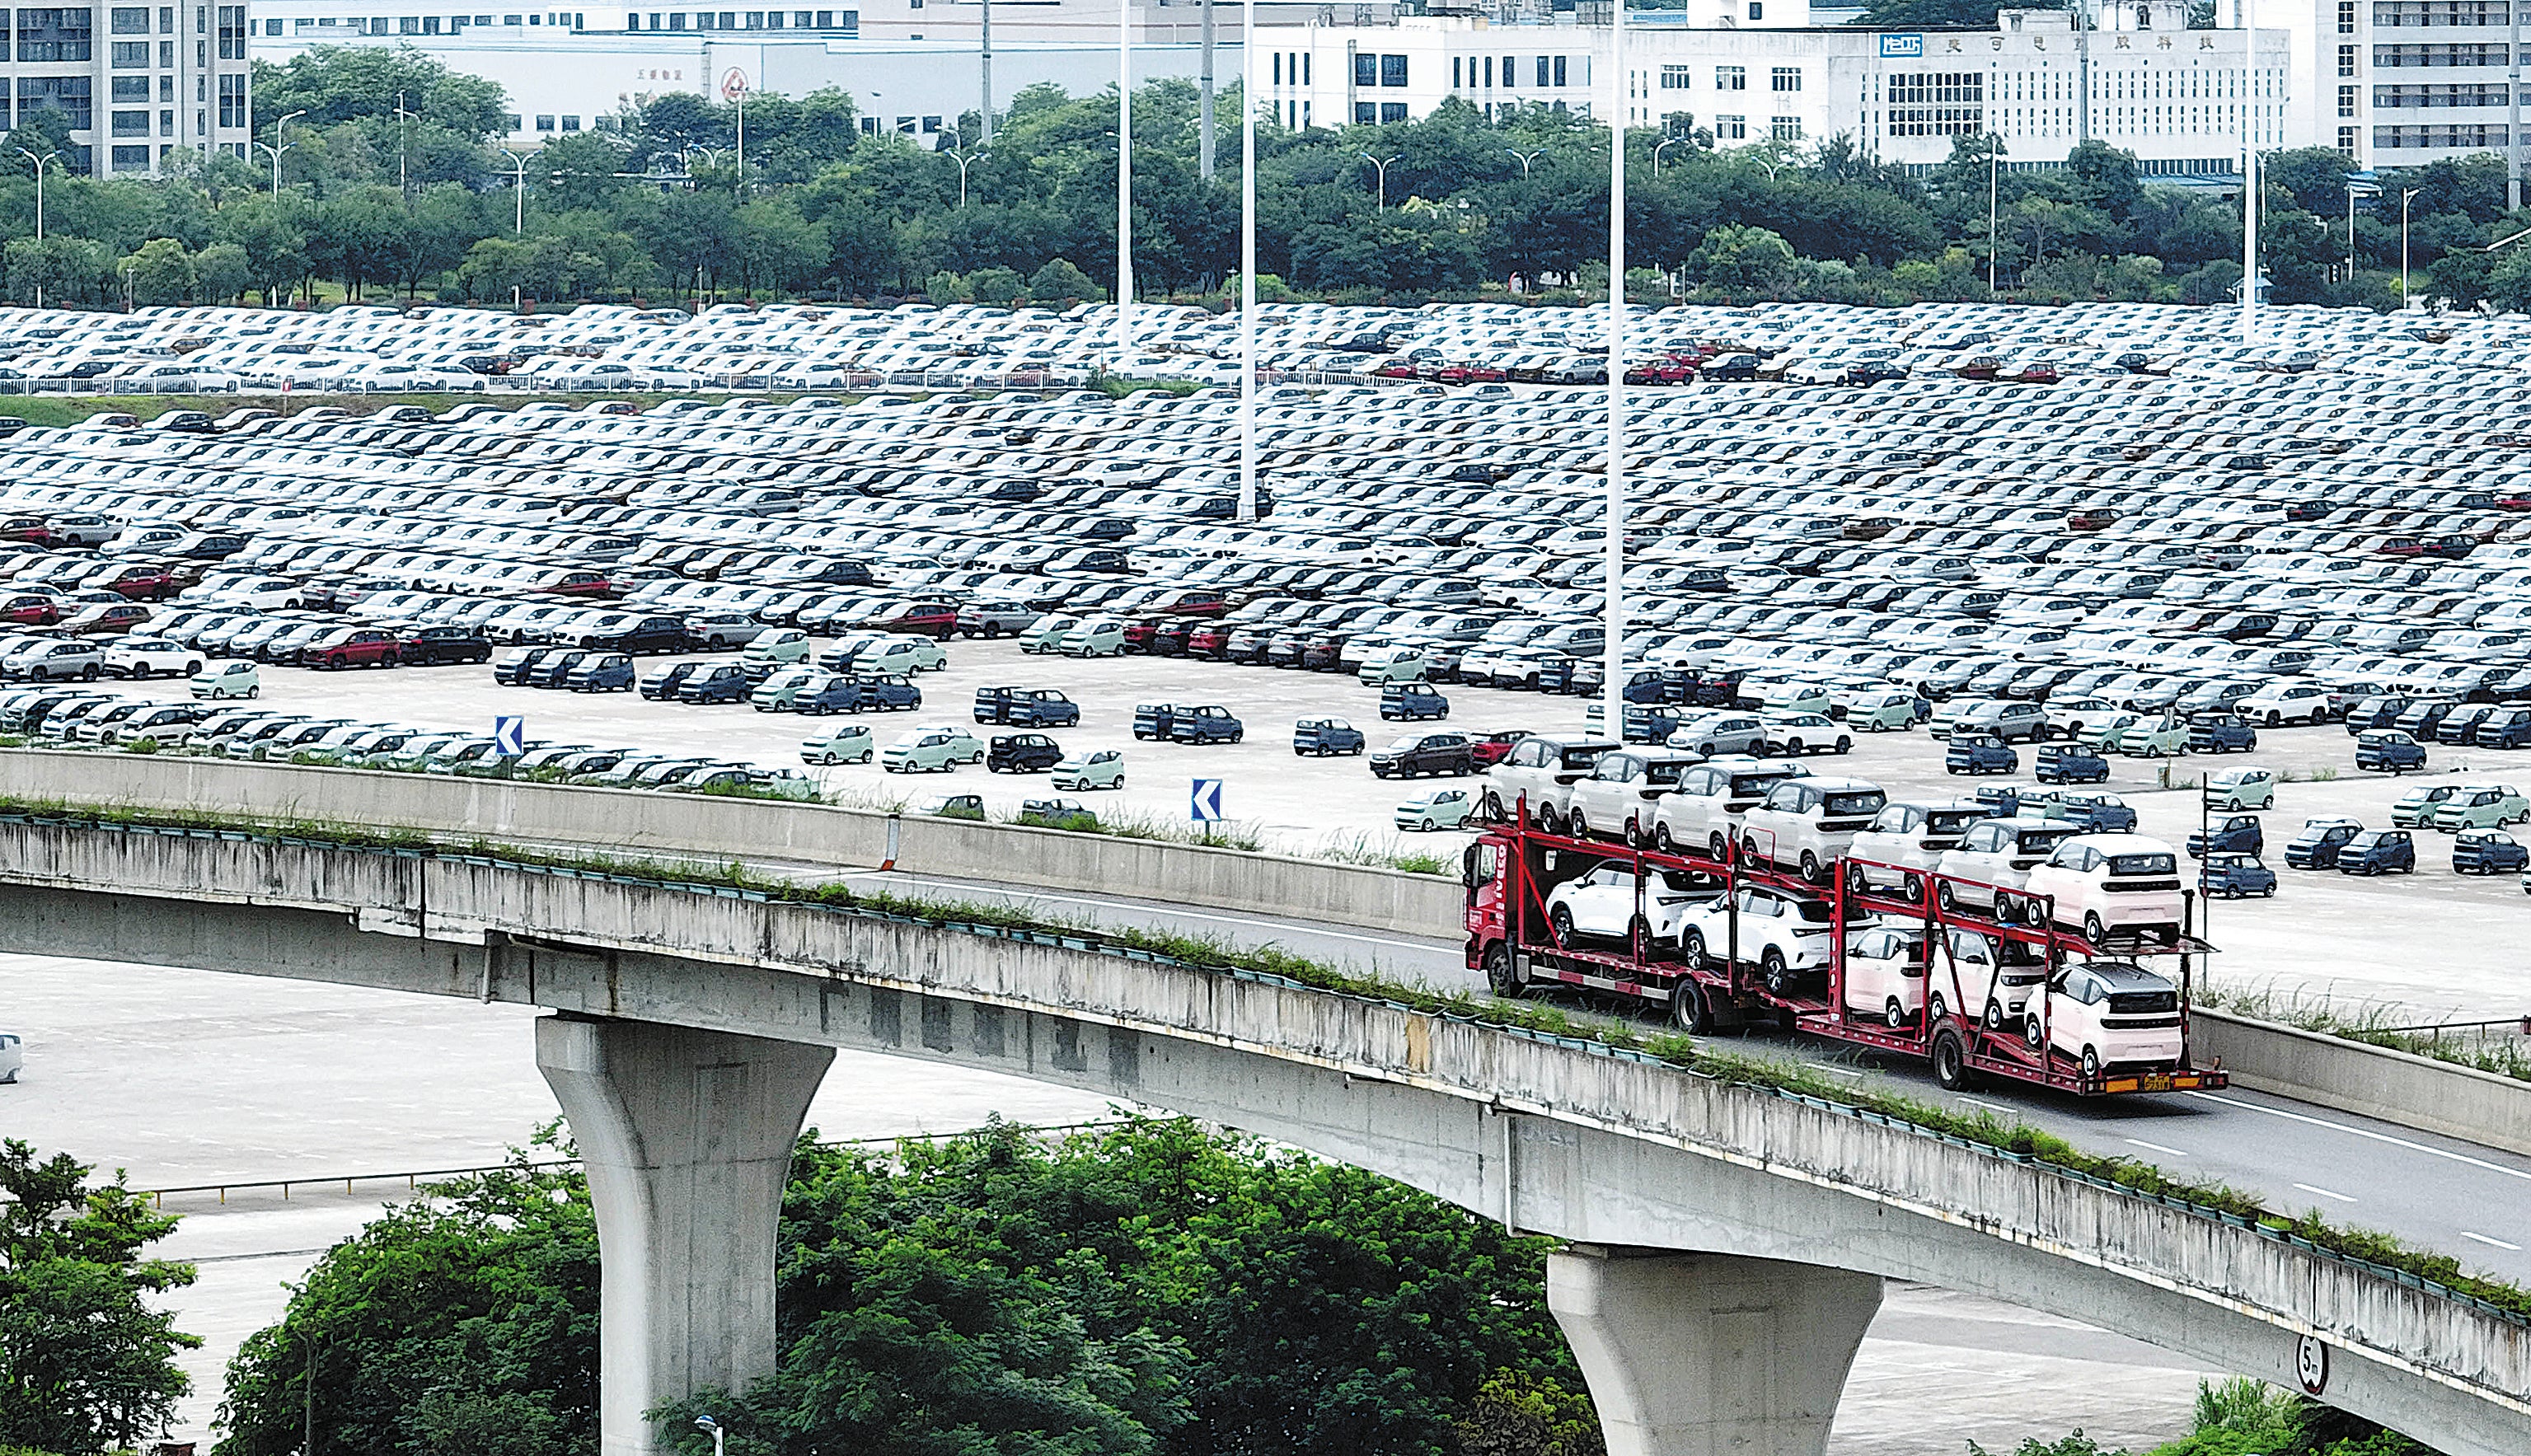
(1664, 145)
(126, 282)
(40, 163)
(1994, 164)
(965, 161)
(1527, 157)
(1382, 163)
(712, 1428)
(1247, 263)
(1124, 179)
(518, 185)
(1614, 557)
(280, 134)
(2407, 196)
(404, 150)
(2356, 190)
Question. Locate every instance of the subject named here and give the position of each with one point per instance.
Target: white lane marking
(2484, 1239)
(1171, 913)
(1990, 1106)
(2325, 1192)
(1840, 1071)
(2156, 1147)
(2322, 1122)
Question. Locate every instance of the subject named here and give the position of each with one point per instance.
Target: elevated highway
(1730, 1240)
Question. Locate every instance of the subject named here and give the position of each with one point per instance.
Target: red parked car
(1492, 747)
(2037, 373)
(578, 584)
(31, 609)
(138, 582)
(922, 618)
(352, 646)
(1210, 641)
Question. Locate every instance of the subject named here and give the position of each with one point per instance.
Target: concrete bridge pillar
(1710, 1354)
(687, 1139)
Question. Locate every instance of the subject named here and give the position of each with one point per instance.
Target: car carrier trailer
(1515, 867)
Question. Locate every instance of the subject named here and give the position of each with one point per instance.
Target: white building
(2398, 82)
(136, 82)
(1756, 69)
(911, 66)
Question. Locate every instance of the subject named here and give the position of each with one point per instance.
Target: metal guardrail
(413, 1180)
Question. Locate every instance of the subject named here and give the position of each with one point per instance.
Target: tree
(1742, 262)
(337, 84)
(160, 272)
(221, 274)
(85, 1365)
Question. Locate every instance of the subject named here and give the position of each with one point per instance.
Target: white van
(2125, 885)
(845, 743)
(229, 678)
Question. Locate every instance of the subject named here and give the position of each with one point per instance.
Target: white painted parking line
(2366, 1133)
(2484, 1239)
(2344, 1198)
(2157, 1147)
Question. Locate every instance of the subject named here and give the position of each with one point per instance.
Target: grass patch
(1986, 1129)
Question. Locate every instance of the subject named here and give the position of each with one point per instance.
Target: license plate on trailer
(2155, 1082)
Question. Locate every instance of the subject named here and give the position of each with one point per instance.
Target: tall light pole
(40, 163)
(1382, 163)
(2405, 198)
(2356, 190)
(1993, 165)
(2513, 105)
(1526, 158)
(519, 186)
(280, 134)
(965, 161)
(1204, 101)
(1248, 262)
(2249, 169)
(1613, 688)
(984, 65)
(712, 1428)
(1124, 177)
(404, 148)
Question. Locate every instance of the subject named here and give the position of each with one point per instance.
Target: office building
(136, 82)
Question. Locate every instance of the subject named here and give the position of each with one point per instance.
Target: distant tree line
(651, 205)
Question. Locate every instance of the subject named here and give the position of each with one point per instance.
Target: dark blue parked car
(2220, 733)
(554, 669)
(839, 695)
(719, 682)
(2239, 835)
(2094, 813)
(2317, 846)
(2232, 877)
(605, 672)
(2488, 852)
(2379, 852)
(2508, 727)
(2005, 800)
(2071, 763)
(2388, 751)
(887, 692)
(2381, 710)
(1979, 752)
(1413, 702)
(1317, 738)
(2461, 725)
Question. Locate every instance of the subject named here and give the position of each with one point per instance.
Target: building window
(1730, 79)
(128, 19)
(570, 124)
(167, 87)
(167, 122)
(131, 123)
(1786, 79)
(2346, 60)
(67, 94)
(53, 35)
(166, 20)
(1510, 75)
(1731, 129)
(1392, 111)
(1560, 71)
(1941, 104)
(167, 54)
(1366, 113)
(1757, 9)
(1673, 78)
(129, 55)
(1392, 70)
(1542, 72)
(2345, 16)
(2347, 101)
(129, 88)
(131, 159)
(1278, 67)
(544, 124)
(232, 32)
(2347, 141)
(511, 121)
(1490, 70)
(233, 100)
(1786, 129)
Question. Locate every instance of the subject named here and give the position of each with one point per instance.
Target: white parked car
(845, 743)
(2282, 703)
(1986, 868)
(1702, 815)
(12, 1057)
(2105, 884)
(1606, 904)
(1907, 837)
(1442, 809)
(2109, 1014)
(149, 657)
(905, 655)
(1542, 771)
(232, 678)
(1787, 940)
(2241, 789)
(1995, 978)
(1047, 632)
(783, 647)
(1619, 798)
(932, 751)
(1101, 768)
(1807, 823)
(1715, 733)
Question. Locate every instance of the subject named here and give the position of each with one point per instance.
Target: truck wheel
(1502, 974)
(1688, 1010)
(1951, 1062)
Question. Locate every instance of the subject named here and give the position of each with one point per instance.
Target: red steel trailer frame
(1506, 874)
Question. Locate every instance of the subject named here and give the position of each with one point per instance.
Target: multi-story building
(135, 83)
(1752, 70)
(2400, 83)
